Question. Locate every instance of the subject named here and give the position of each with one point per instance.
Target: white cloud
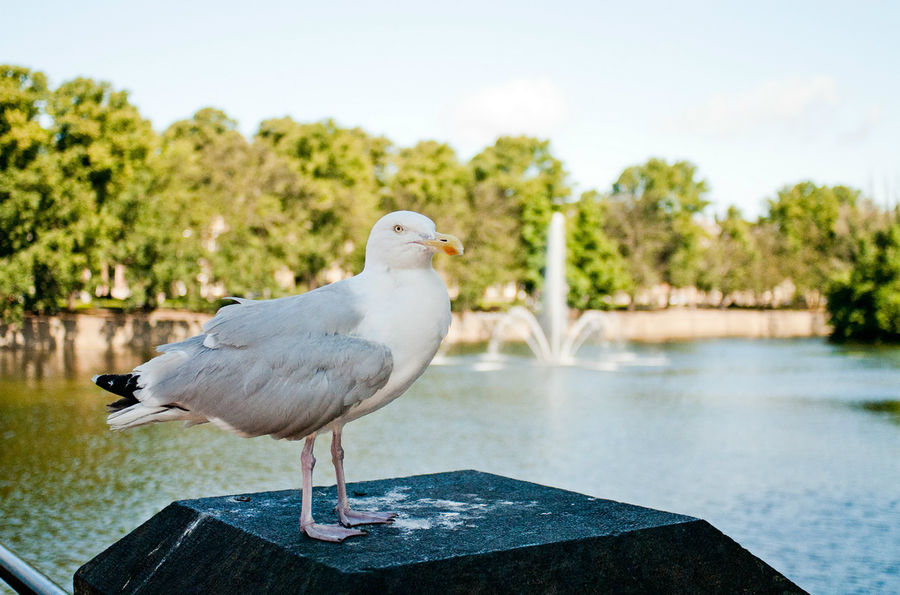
(535, 107)
(867, 124)
(799, 104)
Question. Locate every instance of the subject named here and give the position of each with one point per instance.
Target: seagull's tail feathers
(129, 411)
(141, 402)
(140, 414)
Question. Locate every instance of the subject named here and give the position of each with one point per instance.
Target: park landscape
(118, 233)
(99, 210)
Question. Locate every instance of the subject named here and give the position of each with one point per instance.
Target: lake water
(790, 447)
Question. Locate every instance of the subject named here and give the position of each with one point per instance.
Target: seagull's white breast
(409, 311)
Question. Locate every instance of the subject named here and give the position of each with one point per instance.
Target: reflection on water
(891, 408)
(789, 447)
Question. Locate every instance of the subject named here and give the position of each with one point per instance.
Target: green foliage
(102, 145)
(25, 184)
(342, 176)
(91, 196)
(519, 178)
(864, 302)
(595, 269)
(22, 92)
(652, 216)
(225, 216)
(68, 191)
(733, 262)
(817, 229)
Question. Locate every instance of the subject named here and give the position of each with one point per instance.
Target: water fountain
(552, 339)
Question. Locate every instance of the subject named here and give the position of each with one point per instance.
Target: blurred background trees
(98, 209)
(864, 300)
(818, 227)
(596, 268)
(654, 216)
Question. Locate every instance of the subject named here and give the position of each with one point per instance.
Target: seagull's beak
(449, 244)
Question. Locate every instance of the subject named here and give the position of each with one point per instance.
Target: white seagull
(297, 366)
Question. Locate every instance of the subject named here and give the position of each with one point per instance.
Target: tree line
(97, 208)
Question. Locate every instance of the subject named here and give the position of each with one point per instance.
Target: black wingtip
(123, 403)
(123, 385)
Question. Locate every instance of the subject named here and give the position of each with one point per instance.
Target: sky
(758, 95)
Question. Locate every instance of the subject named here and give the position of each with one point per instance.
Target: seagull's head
(404, 240)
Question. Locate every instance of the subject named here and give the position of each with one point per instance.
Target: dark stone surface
(459, 532)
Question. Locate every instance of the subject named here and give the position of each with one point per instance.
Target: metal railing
(23, 577)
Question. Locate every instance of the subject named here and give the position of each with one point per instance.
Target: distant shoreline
(141, 332)
(672, 324)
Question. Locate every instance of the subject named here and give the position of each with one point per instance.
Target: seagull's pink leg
(334, 533)
(351, 518)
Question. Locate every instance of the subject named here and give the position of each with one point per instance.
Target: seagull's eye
(398, 228)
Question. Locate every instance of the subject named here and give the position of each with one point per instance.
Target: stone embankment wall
(140, 333)
(102, 331)
(673, 324)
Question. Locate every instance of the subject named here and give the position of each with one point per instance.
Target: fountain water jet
(552, 340)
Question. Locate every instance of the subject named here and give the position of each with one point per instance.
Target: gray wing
(287, 387)
(328, 309)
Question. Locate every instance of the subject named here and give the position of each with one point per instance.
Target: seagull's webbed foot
(352, 518)
(333, 533)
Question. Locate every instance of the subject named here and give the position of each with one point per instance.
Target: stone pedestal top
(457, 532)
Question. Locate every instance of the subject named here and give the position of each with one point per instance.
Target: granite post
(458, 532)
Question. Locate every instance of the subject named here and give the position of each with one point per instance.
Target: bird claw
(333, 533)
(352, 518)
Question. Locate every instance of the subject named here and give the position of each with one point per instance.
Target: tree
(651, 214)
(73, 186)
(102, 145)
(22, 93)
(519, 180)
(342, 172)
(731, 263)
(818, 227)
(864, 301)
(25, 185)
(767, 271)
(595, 268)
(225, 216)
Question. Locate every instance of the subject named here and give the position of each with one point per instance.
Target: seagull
(298, 366)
